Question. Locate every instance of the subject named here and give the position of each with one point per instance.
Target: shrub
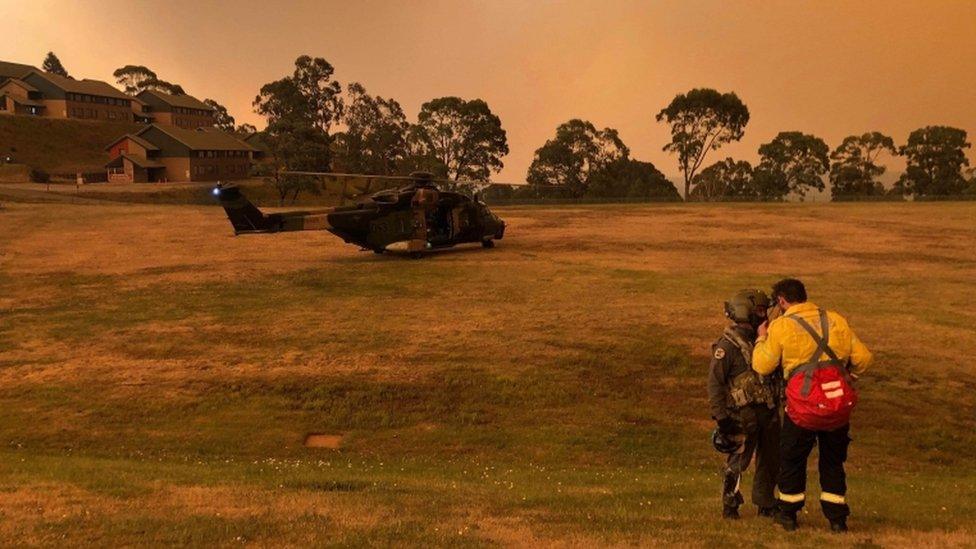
(37, 175)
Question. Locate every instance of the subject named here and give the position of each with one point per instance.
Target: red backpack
(819, 394)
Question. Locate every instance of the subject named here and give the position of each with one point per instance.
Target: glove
(728, 426)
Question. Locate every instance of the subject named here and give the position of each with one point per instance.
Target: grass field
(158, 377)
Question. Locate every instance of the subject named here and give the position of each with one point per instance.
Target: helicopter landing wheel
(417, 255)
(487, 243)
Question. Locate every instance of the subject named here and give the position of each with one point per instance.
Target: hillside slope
(59, 146)
(158, 378)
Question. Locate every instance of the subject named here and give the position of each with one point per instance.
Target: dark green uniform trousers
(762, 440)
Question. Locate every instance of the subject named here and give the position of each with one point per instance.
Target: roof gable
(184, 101)
(202, 139)
(17, 82)
(14, 70)
(135, 139)
(86, 86)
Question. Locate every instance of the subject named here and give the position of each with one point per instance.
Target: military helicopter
(414, 219)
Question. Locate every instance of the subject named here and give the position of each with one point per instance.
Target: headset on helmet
(725, 444)
(748, 306)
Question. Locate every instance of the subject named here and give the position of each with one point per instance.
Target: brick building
(183, 111)
(19, 97)
(49, 95)
(167, 153)
(26, 90)
(14, 70)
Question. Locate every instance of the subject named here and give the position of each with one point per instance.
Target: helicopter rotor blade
(401, 178)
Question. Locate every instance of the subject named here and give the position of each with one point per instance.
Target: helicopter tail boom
(243, 215)
(247, 218)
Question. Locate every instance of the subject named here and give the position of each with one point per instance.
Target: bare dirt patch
(323, 440)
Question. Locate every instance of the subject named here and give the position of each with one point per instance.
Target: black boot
(786, 520)
(767, 511)
(838, 526)
(729, 512)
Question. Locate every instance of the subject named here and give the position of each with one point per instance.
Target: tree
(245, 130)
(53, 65)
(300, 149)
(935, 158)
(792, 162)
(313, 77)
(579, 150)
(724, 180)
(702, 120)
(420, 155)
(465, 137)
(375, 140)
(308, 97)
(854, 169)
(294, 135)
(133, 78)
(223, 121)
(163, 86)
(629, 178)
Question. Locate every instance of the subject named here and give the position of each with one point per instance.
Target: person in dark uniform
(745, 406)
(424, 204)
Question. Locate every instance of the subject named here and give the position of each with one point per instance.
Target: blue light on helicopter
(216, 191)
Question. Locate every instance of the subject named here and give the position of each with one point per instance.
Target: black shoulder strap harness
(808, 367)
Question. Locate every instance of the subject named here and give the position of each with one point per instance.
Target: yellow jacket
(788, 343)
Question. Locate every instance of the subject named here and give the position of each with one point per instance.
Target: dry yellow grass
(158, 376)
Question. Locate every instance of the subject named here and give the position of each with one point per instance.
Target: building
(26, 90)
(141, 112)
(49, 95)
(183, 111)
(19, 97)
(161, 152)
(14, 70)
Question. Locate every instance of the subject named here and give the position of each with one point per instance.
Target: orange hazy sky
(828, 68)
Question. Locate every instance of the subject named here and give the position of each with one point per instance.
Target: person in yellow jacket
(788, 343)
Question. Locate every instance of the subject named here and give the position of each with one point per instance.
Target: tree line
(794, 163)
(314, 123)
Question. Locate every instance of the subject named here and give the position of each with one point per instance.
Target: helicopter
(415, 219)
